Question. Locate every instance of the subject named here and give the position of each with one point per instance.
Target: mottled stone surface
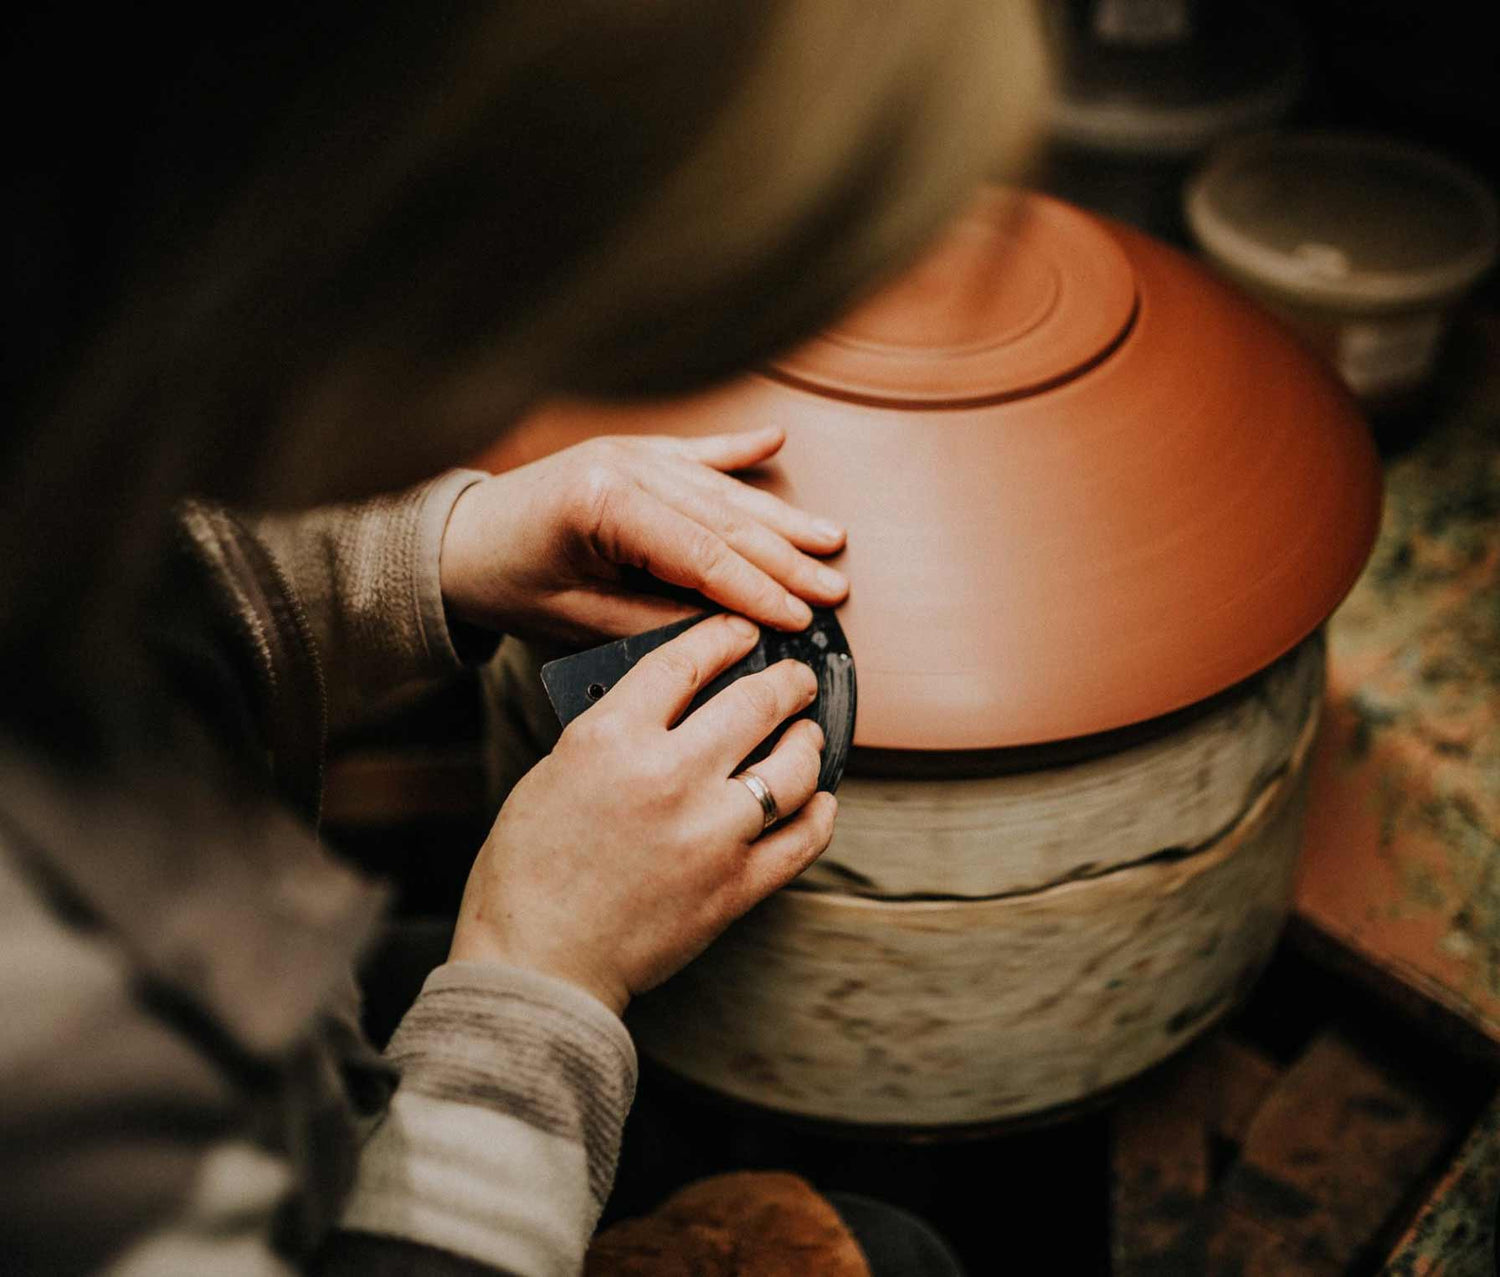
(1454, 1233)
(1402, 865)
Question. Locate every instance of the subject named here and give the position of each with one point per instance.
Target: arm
(632, 820)
(366, 576)
(401, 588)
(123, 1140)
(140, 1140)
(613, 862)
(499, 1147)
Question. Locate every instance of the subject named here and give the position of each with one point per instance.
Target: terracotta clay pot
(1099, 505)
(1085, 483)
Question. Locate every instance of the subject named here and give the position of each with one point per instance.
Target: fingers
(649, 533)
(723, 453)
(714, 507)
(804, 530)
(782, 853)
(790, 772)
(660, 685)
(736, 451)
(735, 721)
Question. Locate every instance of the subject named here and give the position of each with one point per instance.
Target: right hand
(621, 855)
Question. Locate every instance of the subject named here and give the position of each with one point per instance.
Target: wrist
(458, 574)
(472, 944)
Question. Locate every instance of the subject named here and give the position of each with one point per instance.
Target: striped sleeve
(500, 1144)
(122, 1142)
(367, 576)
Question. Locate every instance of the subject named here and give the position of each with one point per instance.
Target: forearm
(367, 577)
(499, 1147)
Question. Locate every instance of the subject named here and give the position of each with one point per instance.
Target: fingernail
(809, 682)
(828, 529)
(832, 580)
(818, 732)
(800, 613)
(743, 626)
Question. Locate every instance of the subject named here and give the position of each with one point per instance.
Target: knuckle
(773, 596)
(761, 700)
(677, 666)
(595, 493)
(730, 526)
(713, 556)
(603, 449)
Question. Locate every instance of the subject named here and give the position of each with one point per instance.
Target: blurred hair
(256, 242)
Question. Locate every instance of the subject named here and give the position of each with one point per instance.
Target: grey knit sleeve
(367, 576)
(500, 1143)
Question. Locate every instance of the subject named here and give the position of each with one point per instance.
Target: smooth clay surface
(1085, 483)
(939, 1013)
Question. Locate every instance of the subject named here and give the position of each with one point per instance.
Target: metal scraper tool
(574, 683)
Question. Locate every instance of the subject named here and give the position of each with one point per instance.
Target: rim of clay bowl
(1135, 538)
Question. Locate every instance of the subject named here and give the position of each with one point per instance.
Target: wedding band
(763, 796)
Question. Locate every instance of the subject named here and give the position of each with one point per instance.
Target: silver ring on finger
(763, 796)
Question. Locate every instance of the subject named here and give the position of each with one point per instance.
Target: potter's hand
(546, 550)
(624, 852)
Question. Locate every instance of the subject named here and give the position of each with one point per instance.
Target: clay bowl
(1099, 505)
(1086, 484)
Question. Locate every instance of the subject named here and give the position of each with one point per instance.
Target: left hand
(546, 550)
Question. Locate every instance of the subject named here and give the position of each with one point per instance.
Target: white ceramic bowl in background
(1365, 244)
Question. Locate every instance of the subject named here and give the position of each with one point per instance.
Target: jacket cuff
(368, 579)
(501, 1142)
(447, 644)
